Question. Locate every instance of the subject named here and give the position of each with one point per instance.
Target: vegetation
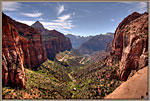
(72, 59)
(67, 79)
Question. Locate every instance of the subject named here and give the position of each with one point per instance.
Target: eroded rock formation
(13, 72)
(21, 48)
(130, 44)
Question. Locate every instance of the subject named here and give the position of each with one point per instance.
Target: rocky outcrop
(117, 45)
(21, 48)
(53, 41)
(130, 44)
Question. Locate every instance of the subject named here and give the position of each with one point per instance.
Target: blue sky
(78, 18)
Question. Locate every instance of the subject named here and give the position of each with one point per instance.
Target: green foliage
(96, 77)
(55, 69)
(67, 79)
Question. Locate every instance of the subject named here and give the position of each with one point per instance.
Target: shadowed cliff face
(21, 48)
(96, 43)
(53, 41)
(130, 44)
(31, 41)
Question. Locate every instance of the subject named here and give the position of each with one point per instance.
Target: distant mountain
(96, 43)
(77, 40)
(38, 26)
(52, 40)
(111, 34)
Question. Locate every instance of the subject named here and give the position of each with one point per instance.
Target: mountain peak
(37, 22)
(37, 25)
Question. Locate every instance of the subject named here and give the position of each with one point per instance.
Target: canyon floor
(72, 76)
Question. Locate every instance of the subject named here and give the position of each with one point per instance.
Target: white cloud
(62, 23)
(26, 22)
(60, 9)
(142, 7)
(10, 6)
(112, 20)
(34, 14)
(63, 18)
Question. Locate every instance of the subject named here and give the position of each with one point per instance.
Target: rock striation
(21, 48)
(130, 44)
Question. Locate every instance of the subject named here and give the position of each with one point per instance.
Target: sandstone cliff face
(13, 72)
(130, 44)
(53, 41)
(117, 45)
(21, 48)
(31, 42)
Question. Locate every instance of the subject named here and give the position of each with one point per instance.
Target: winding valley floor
(59, 80)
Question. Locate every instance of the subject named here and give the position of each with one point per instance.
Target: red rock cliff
(21, 48)
(13, 72)
(130, 44)
(53, 41)
(31, 41)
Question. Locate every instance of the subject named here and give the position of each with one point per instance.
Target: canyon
(24, 47)
(43, 61)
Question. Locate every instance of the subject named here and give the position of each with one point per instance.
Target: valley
(38, 63)
(55, 80)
